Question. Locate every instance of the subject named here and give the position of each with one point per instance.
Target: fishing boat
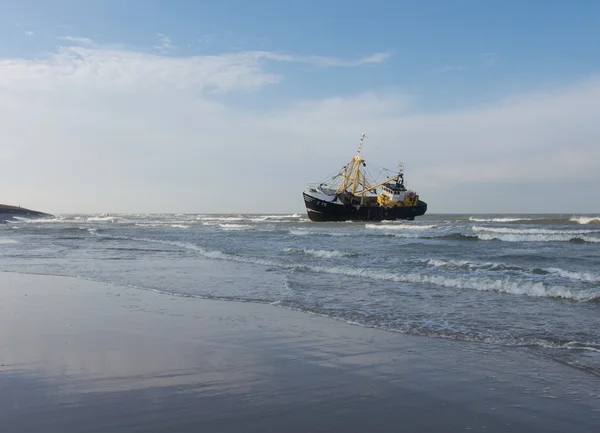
(351, 195)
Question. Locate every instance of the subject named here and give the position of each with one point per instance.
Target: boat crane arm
(372, 187)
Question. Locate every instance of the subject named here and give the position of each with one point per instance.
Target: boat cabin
(394, 192)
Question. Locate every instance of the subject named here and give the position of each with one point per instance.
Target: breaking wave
(327, 254)
(586, 220)
(484, 284)
(400, 227)
(235, 226)
(498, 267)
(531, 231)
(498, 220)
(516, 237)
(574, 275)
(550, 219)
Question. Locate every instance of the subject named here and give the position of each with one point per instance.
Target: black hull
(323, 211)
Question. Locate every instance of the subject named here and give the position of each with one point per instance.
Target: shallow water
(508, 280)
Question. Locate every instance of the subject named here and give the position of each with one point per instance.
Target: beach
(82, 356)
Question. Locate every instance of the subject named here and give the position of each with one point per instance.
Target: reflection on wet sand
(81, 356)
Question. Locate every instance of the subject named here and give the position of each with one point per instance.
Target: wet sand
(79, 356)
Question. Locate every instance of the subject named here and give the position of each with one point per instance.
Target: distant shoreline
(8, 211)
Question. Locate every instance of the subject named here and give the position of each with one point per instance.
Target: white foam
(563, 273)
(531, 231)
(299, 232)
(573, 275)
(278, 217)
(499, 220)
(102, 218)
(438, 263)
(42, 220)
(235, 226)
(517, 287)
(399, 227)
(221, 219)
(514, 237)
(520, 287)
(327, 254)
(586, 220)
(8, 241)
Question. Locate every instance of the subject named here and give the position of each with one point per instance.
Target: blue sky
(450, 53)
(442, 59)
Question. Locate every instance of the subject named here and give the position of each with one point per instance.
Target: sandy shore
(79, 356)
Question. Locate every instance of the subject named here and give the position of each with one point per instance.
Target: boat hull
(323, 211)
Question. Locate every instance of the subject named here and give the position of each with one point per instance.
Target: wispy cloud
(79, 41)
(165, 45)
(152, 120)
(29, 33)
(321, 60)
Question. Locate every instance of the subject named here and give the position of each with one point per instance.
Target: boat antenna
(360, 144)
(400, 173)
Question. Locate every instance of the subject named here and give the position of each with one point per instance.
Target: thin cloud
(146, 133)
(78, 40)
(165, 45)
(323, 61)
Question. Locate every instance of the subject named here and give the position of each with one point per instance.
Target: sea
(530, 282)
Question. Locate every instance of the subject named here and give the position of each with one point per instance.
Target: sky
(233, 106)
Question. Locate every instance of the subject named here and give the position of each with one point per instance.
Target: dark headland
(9, 212)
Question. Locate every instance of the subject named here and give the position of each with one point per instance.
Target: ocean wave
(8, 241)
(327, 254)
(106, 218)
(281, 217)
(301, 232)
(513, 237)
(400, 227)
(235, 226)
(540, 219)
(499, 267)
(465, 264)
(289, 218)
(484, 284)
(44, 220)
(508, 230)
(586, 220)
(499, 220)
(573, 275)
(221, 219)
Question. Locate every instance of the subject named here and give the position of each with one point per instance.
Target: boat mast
(358, 161)
(351, 172)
